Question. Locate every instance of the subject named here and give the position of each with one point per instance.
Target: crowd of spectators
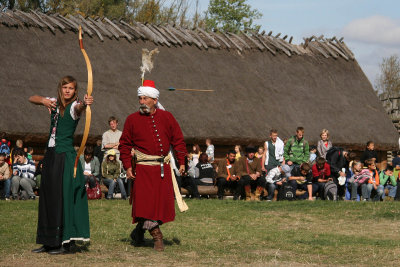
(281, 169)
(292, 169)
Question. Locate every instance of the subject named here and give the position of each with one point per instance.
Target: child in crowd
(356, 169)
(260, 152)
(369, 153)
(239, 153)
(324, 144)
(388, 181)
(275, 179)
(396, 164)
(313, 154)
(29, 153)
(5, 176)
(373, 185)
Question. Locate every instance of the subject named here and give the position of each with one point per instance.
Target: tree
(388, 81)
(150, 11)
(231, 15)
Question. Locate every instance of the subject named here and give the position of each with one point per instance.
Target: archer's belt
(150, 160)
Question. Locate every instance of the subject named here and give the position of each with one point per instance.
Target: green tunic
(75, 205)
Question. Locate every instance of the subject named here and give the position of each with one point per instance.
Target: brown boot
(258, 192)
(247, 190)
(137, 234)
(158, 239)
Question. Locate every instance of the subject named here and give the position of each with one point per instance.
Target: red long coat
(153, 197)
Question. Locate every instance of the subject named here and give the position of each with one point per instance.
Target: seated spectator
(396, 164)
(5, 176)
(23, 175)
(204, 171)
(91, 166)
(296, 149)
(275, 179)
(301, 178)
(324, 144)
(369, 153)
(249, 170)
(19, 144)
(192, 160)
(239, 153)
(321, 176)
(187, 179)
(194, 155)
(111, 169)
(226, 177)
(373, 185)
(313, 154)
(260, 152)
(356, 169)
(388, 181)
(5, 148)
(29, 152)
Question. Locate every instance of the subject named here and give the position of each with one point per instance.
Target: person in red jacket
(321, 175)
(151, 132)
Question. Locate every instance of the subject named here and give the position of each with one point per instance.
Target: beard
(144, 109)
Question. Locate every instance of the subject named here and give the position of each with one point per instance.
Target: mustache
(144, 108)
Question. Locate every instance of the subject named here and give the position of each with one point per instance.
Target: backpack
(93, 193)
(4, 148)
(362, 177)
(286, 192)
(331, 151)
(330, 191)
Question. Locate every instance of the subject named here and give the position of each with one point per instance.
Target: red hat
(149, 83)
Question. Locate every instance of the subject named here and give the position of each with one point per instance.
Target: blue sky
(371, 28)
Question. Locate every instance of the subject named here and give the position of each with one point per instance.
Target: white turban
(148, 91)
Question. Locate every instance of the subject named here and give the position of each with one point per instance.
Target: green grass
(228, 232)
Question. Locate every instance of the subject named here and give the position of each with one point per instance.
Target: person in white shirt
(110, 139)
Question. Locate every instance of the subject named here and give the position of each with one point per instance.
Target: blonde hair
(324, 131)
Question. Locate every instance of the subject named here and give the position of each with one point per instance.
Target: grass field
(220, 233)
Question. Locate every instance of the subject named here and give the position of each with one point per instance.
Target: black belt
(149, 160)
(161, 160)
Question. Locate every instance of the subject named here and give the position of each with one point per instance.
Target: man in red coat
(151, 132)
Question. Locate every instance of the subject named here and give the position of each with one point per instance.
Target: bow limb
(88, 110)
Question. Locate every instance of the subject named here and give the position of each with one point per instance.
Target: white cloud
(375, 30)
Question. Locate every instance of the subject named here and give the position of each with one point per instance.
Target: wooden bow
(88, 110)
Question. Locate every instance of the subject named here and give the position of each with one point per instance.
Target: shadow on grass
(149, 242)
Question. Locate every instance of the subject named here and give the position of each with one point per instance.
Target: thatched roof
(259, 81)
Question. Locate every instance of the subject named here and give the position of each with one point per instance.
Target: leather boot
(258, 192)
(247, 190)
(158, 239)
(137, 234)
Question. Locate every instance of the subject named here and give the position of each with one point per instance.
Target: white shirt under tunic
(74, 115)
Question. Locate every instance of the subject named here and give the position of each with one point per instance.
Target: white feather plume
(147, 60)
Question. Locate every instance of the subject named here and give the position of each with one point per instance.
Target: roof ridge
(172, 35)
